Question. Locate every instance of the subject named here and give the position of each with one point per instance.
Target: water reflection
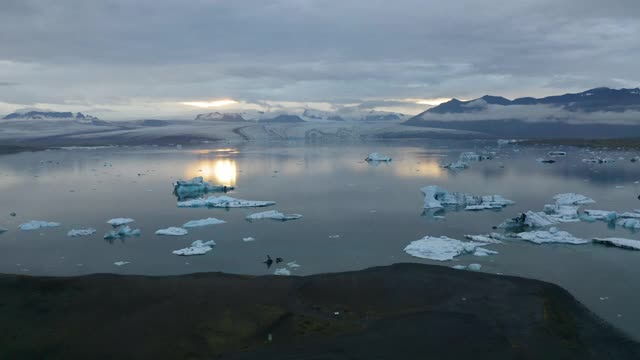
(428, 168)
(219, 171)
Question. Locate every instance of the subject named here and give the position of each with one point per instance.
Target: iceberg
(377, 157)
(572, 199)
(628, 244)
(248, 239)
(458, 165)
(436, 197)
(274, 215)
(37, 224)
(493, 238)
(529, 219)
(602, 215)
(172, 231)
(223, 202)
(121, 263)
(562, 213)
(282, 272)
(552, 236)
(122, 232)
(557, 153)
(120, 221)
(197, 247)
(203, 222)
(196, 187)
(441, 248)
(81, 232)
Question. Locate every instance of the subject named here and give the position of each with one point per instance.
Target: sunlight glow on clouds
(210, 104)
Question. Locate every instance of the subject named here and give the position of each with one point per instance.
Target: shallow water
(375, 209)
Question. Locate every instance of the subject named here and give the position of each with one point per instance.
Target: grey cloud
(116, 51)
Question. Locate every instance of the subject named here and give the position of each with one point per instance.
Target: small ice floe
(248, 239)
(334, 236)
(293, 264)
(197, 247)
(436, 197)
(120, 221)
(493, 238)
(196, 187)
(484, 252)
(282, 272)
(545, 161)
(599, 160)
(81, 232)
(572, 199)
(557, 153)
(474, 267)
(121, 263)
(457, 165)
(377, 157)
(3, 230)
(552, 236)
(203, 222)
(529, 219)
(471, 156)
(121, 233)
(628, 244)
(274, 215)
(441, 248)
(223, 202)
(37, 224)
(172, 231)
(562, 213)
(633, 224)
(460, 267)
(502, 142)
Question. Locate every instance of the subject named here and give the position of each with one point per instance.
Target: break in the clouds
(121, 58)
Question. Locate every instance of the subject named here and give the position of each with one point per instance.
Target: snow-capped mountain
(223, 117)
(49, 115)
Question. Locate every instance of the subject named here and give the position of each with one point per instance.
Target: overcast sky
(130, 59)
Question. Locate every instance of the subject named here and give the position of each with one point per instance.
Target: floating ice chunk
(471, 156)
(282, 271)
(196, 187)
(377, 157)
(2, 230)
(81, 232)
(274, 215)
(121, 263)
(502, 142)
(557, 153)
(248, 239)
(120, 221)
(172, 231)
(572, 199)
(197, 247)
(599, 160)
(458, 165)
(629, 223)
(460, 267)
(484, 252)
(602, 215)
(440, 248)
(493, 238)
(37, 224)
(293, 264)
(552, 236)
(629, 215)
(224, 202)
(122, 232)
(436, 197)
(474, 267)
(529, 219)
(203, 222)
(562, 213)
(628, 244)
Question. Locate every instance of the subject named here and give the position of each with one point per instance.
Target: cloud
(118, 53)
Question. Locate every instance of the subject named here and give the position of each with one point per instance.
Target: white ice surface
(37, 224)
(203, 222)
(197, 247)
(552, 236)
(224, 202)
(172, 231)
(272, 214)
(119, 221)
(440, 248)
(377, 157)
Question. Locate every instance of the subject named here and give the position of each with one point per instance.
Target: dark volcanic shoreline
(403, 311)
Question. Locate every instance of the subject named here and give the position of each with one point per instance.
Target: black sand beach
(403, 311)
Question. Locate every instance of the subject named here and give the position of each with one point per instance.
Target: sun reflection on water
(219, 171)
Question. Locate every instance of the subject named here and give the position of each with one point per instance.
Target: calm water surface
(375, 209)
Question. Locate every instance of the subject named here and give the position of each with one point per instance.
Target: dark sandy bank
(403, 311)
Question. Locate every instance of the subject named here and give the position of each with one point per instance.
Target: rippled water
(356, 214)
